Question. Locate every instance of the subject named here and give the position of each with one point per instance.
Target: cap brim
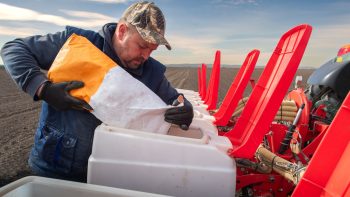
(162, 41)
(156, 38)
(167, 45)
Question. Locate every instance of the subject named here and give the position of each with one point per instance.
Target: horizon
(209, 66)
(196, 30)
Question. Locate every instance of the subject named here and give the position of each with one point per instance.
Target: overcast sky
(196, 29)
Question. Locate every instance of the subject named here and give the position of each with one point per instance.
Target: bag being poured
(118, 99)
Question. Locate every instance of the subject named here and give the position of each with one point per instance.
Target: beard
(134, 63)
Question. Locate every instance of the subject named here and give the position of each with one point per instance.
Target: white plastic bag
(123, 101)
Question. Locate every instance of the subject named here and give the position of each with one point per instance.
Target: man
(63, 140)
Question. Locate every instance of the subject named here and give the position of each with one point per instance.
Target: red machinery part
(343, 50)
(236, 90)
(318, 128)
(276, 136)
(199, 74)
(268, 93)
(299, 97)
(328, 172)
(213, 87)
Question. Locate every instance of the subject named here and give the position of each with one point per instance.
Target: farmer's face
(132, 49)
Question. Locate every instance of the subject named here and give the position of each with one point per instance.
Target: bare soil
(18, 119)
(19, 115)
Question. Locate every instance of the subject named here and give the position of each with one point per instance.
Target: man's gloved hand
(57, 95)
(181, 115)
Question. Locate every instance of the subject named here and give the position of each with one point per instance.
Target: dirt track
(19, 116)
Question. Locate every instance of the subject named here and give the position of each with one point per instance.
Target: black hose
(289, 134)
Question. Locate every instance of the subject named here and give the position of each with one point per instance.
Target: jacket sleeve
(25, 57)
(166, 92)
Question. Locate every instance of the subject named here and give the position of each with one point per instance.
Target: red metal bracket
(236, 90)
(269, 92)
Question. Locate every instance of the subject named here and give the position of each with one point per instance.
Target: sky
(196, 29)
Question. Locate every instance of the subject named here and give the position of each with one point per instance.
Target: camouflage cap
(149, 21)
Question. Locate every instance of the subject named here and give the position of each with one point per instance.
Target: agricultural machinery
(276, 144)
(303, 150)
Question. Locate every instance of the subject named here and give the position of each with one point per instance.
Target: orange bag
(80, 60)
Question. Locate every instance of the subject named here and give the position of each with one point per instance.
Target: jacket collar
(107, 33)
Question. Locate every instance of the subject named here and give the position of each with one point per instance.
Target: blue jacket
(63, 140)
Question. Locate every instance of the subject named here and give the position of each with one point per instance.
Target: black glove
(57, 95)
(181, 116)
